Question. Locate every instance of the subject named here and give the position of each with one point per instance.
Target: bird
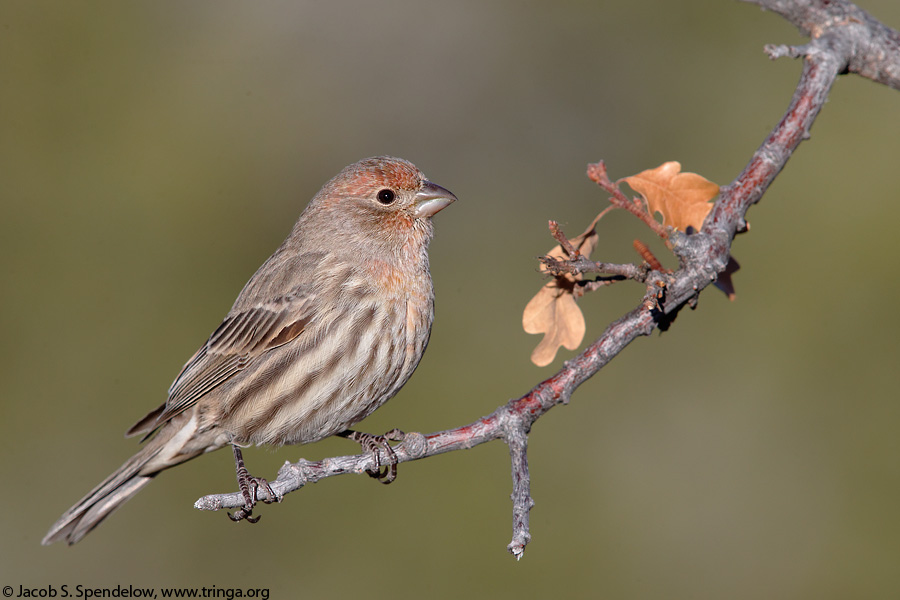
(327, 330)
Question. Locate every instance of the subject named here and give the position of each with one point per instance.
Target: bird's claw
(249, 486)
(243, 514)
(373, 443)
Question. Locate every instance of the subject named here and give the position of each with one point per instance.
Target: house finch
(327, 330)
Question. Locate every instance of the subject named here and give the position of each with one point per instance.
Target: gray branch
(863, 44)
(843, 39)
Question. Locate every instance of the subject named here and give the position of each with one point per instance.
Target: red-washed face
(388, 199)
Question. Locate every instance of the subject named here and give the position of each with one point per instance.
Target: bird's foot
(249, 486)
(373, 443)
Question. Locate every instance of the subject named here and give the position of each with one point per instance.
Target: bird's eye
(386, 196)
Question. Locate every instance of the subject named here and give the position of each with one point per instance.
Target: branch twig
(864, 45)
(597, 174)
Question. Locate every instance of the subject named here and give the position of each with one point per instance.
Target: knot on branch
(414, 446)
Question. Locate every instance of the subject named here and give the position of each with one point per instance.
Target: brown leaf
(683, 199)
(553, 310)
(554, 313)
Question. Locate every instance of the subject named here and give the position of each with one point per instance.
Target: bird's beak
(432, 199)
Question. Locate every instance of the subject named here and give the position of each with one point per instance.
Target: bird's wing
(242, 337)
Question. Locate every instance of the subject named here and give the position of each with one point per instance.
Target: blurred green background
(153, 154)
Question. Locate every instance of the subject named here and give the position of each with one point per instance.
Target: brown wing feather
(241, 338)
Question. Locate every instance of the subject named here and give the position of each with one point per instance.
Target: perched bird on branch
(328, 329)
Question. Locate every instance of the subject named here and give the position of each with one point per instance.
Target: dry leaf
(553, 310)
(554, 313)
(683, 199)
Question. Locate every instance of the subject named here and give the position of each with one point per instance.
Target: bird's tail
(175, 443)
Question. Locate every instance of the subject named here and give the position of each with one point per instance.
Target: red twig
(564, 242)
(647, 255)
(597, 173)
